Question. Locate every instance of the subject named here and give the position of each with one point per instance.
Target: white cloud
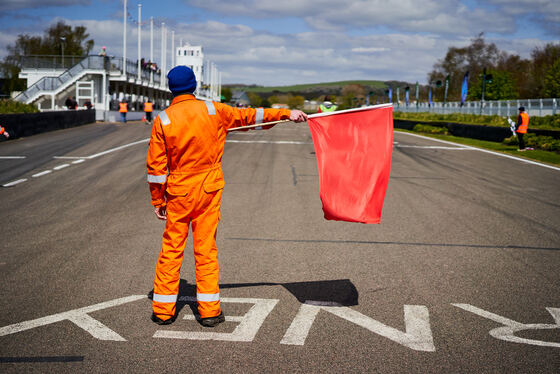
(369, 50)
(7, 5)
(543, 12)
(246, 55)
(444, 16)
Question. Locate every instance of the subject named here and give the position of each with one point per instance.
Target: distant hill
(314, 90)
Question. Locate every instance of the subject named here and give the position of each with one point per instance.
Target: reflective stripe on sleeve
(208, 296)
(164, 298)
(260, 115)
(211, 108)
(157, 178)
(163, 118)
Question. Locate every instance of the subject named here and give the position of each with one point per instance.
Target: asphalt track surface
(457, 278)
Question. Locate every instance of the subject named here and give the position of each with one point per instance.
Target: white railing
(52, 84)
(534, 107)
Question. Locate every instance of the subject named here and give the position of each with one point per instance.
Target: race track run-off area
(461, 276)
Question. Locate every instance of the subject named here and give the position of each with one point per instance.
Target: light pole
(486, 78)
(124, 38)
(151, 49)
(162, 68)
(173, 49)
(62, 41)
(139, 41)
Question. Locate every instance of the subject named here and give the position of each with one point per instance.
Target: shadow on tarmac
(396, 243)
(339, 292)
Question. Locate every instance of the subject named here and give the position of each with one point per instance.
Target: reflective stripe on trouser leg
(167, 277)
(204, 228)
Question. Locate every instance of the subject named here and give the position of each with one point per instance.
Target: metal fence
(534, 107)
(77, 66)
(110, 63)
(53, 83)
(49, 61)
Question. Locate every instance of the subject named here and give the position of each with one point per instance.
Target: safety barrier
(534, 107)
(27, 124)
(480, 132)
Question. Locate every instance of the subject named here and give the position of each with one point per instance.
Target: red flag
(353, 149)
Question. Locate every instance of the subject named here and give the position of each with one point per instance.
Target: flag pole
(258, 125)
(312, 116)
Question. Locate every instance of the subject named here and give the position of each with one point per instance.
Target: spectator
(69, 103)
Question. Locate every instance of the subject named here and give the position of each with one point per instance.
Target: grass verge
(552, 158)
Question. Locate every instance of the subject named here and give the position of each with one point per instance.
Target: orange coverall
(184, 173)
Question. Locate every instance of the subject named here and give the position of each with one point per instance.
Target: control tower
(207, 79)
(193, 57)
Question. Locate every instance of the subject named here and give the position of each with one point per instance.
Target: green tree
(226, 92)
(552, 80)
(352, 96)
(296, 102)
(543, 60)
(265, 103)
(254, 99)
(502, 87)
(472, 58)
(73, 39)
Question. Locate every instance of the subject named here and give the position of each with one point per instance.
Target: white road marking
(11, 157)
(61, 166)
(77, 161)
(246, 331)
(42, 173)
(117, 148)
(80, 159)
(267, 142)
(507, 332)
(486, 151)
(434, 147)
(418, 335)
(78, 316)
(10, 184)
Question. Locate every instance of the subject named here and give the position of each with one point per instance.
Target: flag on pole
(430, 96)
(465, 88)
(353, 149)
(406, 98)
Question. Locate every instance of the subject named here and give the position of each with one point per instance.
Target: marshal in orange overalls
(184, 173)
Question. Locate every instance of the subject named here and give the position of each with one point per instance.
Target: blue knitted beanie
(181, 79)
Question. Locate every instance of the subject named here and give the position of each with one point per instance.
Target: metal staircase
(55, 85)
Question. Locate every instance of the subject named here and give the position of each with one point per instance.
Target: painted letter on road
(418, 335)
(510, 327)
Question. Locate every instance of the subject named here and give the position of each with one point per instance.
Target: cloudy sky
(284, 42)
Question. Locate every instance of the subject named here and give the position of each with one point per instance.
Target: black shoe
(159, 321)
(213, 321)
